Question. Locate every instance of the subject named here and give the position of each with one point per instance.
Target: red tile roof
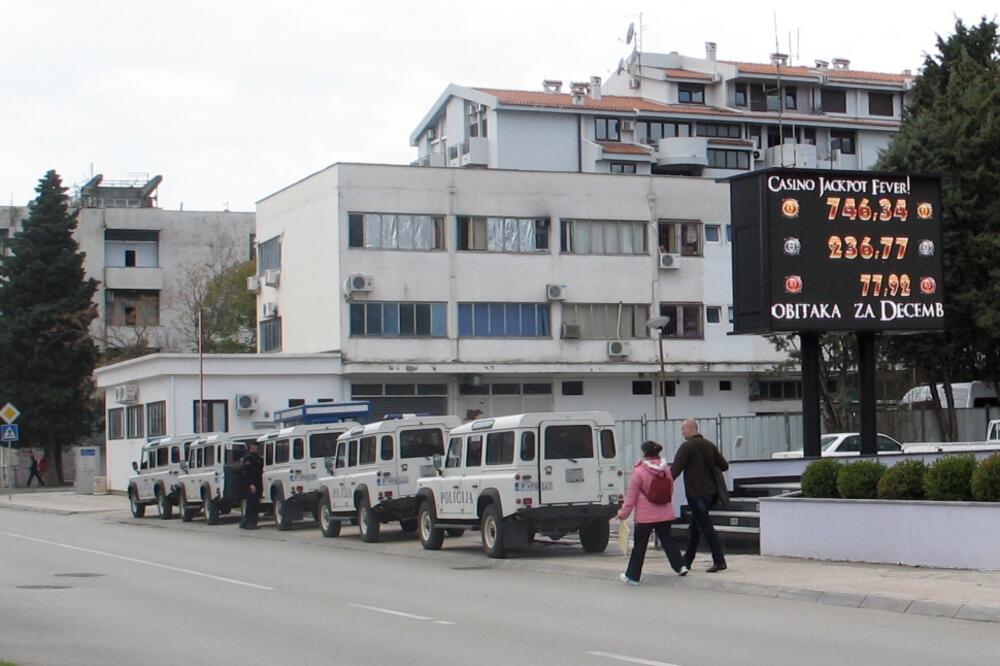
(565, 101)
(851, 75)
(815, 73)
(686, 74)
(731, 142)
(772, 70)
(623, 148)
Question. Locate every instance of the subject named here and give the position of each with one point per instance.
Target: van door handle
(455, 487)
(476, 485)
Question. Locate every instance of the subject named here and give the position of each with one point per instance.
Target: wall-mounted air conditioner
(555, 292)
(570, 331)
(619, 348)
(633, 83)
(269, 310)
(358, 282)
(253, 284)
(246, 403)
(627, 126)
(272, 277)
(127, 394)
(758, 154)
(669, 261)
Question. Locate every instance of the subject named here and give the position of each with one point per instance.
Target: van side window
(386, 447)
(298, 448)
(454, 458)
(175, 454)
(269, 453)
(352, 453)
(341, 454)
(500, 448)
(474, 451)
(569, 441)
(608, 444)
(323, 445)
(281, 451)
(421, 443)
(208, 458)
(367, 456)
(161, 457)
(527, 446)
(187, 452)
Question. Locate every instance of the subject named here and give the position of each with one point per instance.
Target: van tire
(138, 510)
(430, 538)
(454, 531)
(211, 511)
(368, 522)
(281, 516)
(492, 528)
(408, 525)
(187, 512)
(594, 536)
(328, 525)
(163, 504)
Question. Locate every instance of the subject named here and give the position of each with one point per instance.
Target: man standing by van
(252, 480)
(698, 460)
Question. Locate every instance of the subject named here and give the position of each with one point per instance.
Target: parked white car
(843, 444)
(209, 482)
(156, 473)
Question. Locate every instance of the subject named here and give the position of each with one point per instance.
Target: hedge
(903, 481)
(986, 480)
(859, 480)
(949, 479)
(820, 478)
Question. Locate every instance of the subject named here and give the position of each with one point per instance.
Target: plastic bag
(624, 532)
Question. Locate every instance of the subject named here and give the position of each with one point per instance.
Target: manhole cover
(79, 575)
(44, 587)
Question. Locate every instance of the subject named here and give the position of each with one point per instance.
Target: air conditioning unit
(127, 394)
(570, 331)
(758, 154)
(669, 261)
(253, 284)
(269, 311)
(627, 125)
(633, 83)
(272, 277)
(246, 403)
(555, 292)
(619, 348)
(359, 282)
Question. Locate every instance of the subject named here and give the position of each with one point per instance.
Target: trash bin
(100, 485)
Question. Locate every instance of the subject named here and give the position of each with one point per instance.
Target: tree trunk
(54, 473)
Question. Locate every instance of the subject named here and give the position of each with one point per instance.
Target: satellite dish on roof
(630, 34)
(621, 65)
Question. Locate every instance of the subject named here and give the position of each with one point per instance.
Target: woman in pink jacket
(649, 493)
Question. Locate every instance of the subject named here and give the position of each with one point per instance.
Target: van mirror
(135, 466)
(184, 467)
(437, 462)
(329, 464)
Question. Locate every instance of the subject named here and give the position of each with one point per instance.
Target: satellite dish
(630, 34)
(621, 65)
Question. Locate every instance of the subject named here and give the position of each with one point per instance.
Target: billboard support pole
(867, 397)
(809, 343)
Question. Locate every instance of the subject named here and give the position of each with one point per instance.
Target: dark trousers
(642, 533)
(251, 508)
(35, 475)
(702, 524)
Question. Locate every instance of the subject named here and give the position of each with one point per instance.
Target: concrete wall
(523, 133)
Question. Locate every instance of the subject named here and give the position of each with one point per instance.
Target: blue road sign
(9, 433)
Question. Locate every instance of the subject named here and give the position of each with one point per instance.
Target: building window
(391, 231)
(689, 93)
(622, 167)
(503, 320)
(809, 135)
(730, 314)
(728, 159)
(775, 389)
(842, 140)
(685, 320)
(682, 238)
(269, 255)
(399, 320)
(712, 233)
(719, 130)
(791, 97)
(603, 237)
(131, 248)
(215, 417)
(607, 129)
(572, 388)
(269, 334)
(696, 388)
(608, 321)
(650, 132)
(642, 388)
(116, 423)
(729, 233)
(764, 98)
(668, 388)
(156, 419)
(713, 314)
(523, 235)
(740, 95)
(133, 422)
(132, 307)
(833, 101)
(880, 104)
(725, 385)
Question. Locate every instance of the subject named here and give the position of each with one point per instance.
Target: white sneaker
(683, 571)
(625, 579)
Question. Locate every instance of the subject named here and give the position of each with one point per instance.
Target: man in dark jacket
(697, 459)
(251, 476)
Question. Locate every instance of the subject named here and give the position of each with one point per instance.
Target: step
(752, 490)
(729, 519)
(723, 529)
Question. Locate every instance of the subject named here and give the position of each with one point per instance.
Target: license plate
(574, 475)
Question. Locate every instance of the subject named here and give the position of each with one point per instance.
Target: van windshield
(323, 444)
(569, 441)
(421, 443)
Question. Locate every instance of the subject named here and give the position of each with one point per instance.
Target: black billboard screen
(836, 251)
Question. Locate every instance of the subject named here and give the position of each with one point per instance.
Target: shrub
(986, 480)
(949, 479)
(820, 479)
(859, 480)
(903, 481)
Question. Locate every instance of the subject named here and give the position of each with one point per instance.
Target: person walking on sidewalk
(650, 492)
(34, 472)
(701, 463)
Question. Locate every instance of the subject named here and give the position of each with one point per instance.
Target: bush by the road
(949, 479)
(903, 481)
(820, 479)
(986, 480)
(859, 480)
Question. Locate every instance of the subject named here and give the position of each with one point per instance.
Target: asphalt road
(93, 590)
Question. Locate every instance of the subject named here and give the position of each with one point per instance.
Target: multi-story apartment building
(143, 257)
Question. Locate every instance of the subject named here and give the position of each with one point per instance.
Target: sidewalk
(959, 594)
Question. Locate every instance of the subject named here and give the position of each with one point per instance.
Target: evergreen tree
(46, 307)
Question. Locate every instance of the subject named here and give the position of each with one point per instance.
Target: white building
(143, 256)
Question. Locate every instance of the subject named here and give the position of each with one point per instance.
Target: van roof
(170, 440)
(306, 429)
(394, 425)
(533, 420)
(227, 438)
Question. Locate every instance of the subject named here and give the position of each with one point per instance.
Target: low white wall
(950, 535)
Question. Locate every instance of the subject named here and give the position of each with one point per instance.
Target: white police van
(373, 477)
(210, 482)
(156, 473)
(514, 476)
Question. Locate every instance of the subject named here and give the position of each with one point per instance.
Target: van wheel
(187, 512)
(408, 525)
(163, 504)
(328, 525)
(368, 522)
(492, 532)
(281, 516)
(594, 536)
(454, 531)
(138, 510)
(211, 510)
(430, 538)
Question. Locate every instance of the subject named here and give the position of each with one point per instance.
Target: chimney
(552, 85)
(579, 90)
(595, 87)
(907, 72)
(779, 59)
(822, 64)
(841, 63)
(710, 51)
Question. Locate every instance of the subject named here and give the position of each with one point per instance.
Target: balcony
(133, 278)
(791, 155)
(682, 152)
(474, 152)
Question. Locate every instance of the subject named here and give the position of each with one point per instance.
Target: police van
(210, 481)
(373, 477)
(513, 477)
(156, 475)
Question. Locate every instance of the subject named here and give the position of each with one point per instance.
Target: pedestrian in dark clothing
(650, 492)
(698, 459)
(251, 475)
(34, 472)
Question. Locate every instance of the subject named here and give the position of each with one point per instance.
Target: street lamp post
(658, 324)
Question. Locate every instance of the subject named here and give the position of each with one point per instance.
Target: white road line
(631, 660)
(389, 611)
(138, 561)
(443, 622)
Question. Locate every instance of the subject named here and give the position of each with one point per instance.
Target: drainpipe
(579, 143)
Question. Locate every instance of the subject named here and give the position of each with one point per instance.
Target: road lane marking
(631, 660)
(138, 561)
(443, 622)
(388, 611)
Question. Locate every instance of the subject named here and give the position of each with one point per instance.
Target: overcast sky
(233, 100)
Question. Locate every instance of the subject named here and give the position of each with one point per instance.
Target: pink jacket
(635, 496)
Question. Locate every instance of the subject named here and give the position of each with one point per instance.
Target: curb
(57, 512)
